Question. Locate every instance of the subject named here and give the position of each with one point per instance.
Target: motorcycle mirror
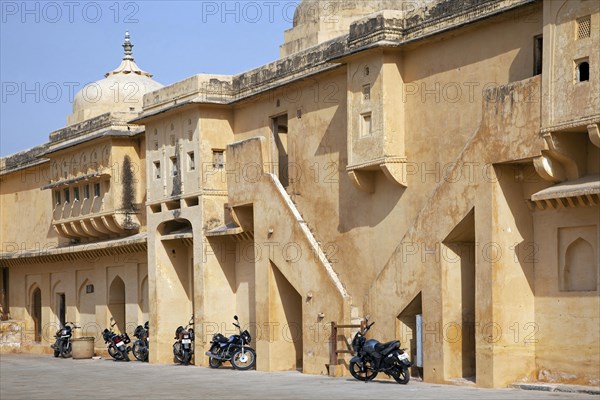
(235, 317)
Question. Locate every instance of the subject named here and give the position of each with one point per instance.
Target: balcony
(94, 215)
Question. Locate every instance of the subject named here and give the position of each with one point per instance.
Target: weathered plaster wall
(91, 311)
(565, 321)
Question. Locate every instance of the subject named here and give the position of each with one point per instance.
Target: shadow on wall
(356, 209)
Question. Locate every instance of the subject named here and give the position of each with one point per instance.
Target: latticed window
(584, 27)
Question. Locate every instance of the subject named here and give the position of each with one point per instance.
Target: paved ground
(45, 377)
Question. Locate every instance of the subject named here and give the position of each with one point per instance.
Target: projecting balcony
(89, 212)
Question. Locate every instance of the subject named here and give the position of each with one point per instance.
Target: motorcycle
(117, 344)
(373, 357)
(140, 346)
(183, 348)
(62, 345)
(234, 349)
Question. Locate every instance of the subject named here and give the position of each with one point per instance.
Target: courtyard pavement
(46, 377)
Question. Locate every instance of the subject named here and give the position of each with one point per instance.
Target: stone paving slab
(46, 377)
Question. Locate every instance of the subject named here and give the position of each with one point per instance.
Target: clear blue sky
(50, 46)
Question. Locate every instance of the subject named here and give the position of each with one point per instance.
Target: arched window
(583, 71)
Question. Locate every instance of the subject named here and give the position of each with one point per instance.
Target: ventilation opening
(584, 27)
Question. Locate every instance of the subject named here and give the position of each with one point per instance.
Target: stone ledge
(553, 387)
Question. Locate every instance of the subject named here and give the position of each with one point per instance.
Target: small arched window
(583, 71)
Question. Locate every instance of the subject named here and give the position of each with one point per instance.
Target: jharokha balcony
(95, 175)
(85, 207)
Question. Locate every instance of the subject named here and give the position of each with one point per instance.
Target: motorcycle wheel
(243, 361)
(178, 352)
(186, 357)
(403, 375)
(140, 352)
(114, 353)
(213, 362)
(124, 355)
(366, 375)
(65, 349)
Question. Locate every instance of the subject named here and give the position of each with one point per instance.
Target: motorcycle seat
(385, 348)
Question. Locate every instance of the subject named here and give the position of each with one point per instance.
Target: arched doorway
(116, 302)
(36, 313)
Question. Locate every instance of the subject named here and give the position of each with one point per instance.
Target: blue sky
(50, 49)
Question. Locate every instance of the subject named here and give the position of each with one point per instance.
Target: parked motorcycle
(183, 348)
(140, 346)
(373, 357)
(117, 344)
(62, 345)
(234, 349)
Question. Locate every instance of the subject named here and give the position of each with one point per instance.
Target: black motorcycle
(373, 357)
(62, 345)
(117, 344)
(140, 346)
(183, 348)
(234, 349)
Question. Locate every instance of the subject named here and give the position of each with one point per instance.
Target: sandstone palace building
(434, 165)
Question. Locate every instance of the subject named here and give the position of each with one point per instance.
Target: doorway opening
(116, 302)
(286, 310)
(61, 308)
(36, 313)
(280, 148)
(406, 326)
(459, 264)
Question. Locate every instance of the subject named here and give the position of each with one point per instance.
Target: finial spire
(128, 47)
(128, 65)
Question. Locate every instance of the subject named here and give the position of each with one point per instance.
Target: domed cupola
(121, 91)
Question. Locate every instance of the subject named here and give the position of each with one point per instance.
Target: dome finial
(128, 65)
(128, 47)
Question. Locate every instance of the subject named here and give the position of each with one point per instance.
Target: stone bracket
(362, 180)
(562, 159)
(363, 175)
(594, 134)
(548, 168)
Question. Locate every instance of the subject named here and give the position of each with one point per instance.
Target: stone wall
(10, 336)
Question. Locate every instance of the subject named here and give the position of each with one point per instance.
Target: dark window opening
(191, 161)
(5, 295)
(61, 308)
(583, 72)
(57, 197)
(537, 54)
(218, 159)
(280, 148)
(156, 169)
(174, 170)
(86, 192)
(76, 193)
(67, 192)
(96, 189)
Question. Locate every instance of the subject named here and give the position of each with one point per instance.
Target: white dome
(122, 90)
